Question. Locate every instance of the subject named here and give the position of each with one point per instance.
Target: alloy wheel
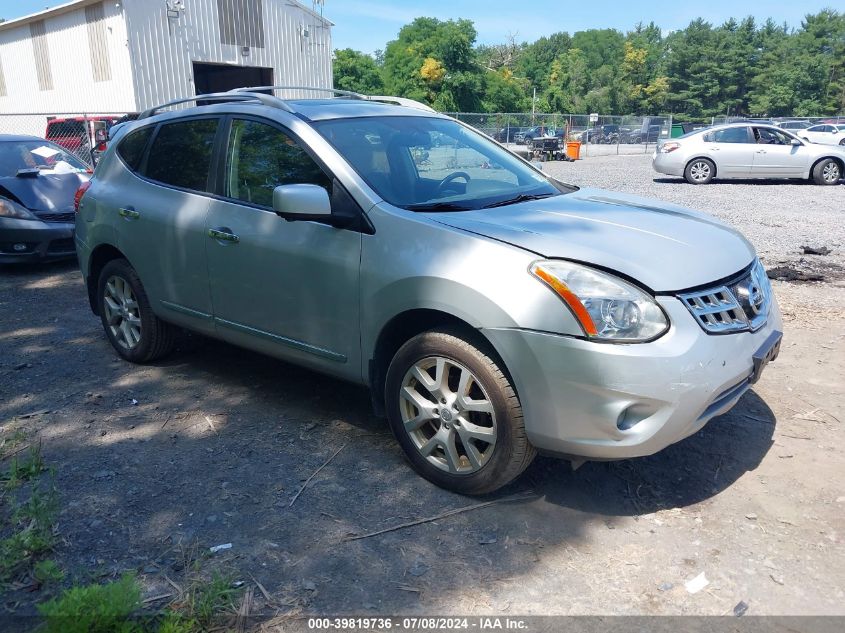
(700, 171)
(448, 416)
(830, 173)
(122, 312)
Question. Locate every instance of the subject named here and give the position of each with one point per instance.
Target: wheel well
(404, 327)
(836, 159)
(101, 256)
(707, 158)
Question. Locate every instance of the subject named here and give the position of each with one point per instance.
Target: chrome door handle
(128, 213)
(761, 151)
(223, 236)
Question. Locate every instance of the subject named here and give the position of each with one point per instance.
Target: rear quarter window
(181, 154)
(131, 149)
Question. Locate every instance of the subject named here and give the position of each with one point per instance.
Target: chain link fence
(598, 136)
(82, 134)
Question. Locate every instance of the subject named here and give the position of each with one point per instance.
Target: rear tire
(700, 171)
(827, 172)
(455, 414)
(132, 328)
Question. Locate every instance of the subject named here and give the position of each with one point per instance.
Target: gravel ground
(778, 217)
(155, 464)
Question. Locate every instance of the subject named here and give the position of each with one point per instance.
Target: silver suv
(493, 311)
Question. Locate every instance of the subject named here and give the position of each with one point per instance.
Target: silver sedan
(745, 150)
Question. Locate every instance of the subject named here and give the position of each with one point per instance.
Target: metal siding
(74, 88)
(163, 49)
(2, 80)
(41, 54)
(97, 44)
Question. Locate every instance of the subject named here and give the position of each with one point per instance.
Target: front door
(285, 288)
(776, 157)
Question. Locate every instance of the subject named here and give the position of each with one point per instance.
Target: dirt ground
(221, 440)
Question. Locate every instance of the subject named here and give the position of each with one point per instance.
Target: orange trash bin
(573, 149)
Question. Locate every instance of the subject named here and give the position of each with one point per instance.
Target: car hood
(46, 193)
(663, 246)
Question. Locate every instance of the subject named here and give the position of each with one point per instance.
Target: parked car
(38, 181)
(826, 133)
(529, 134)
(508, 134)
(493, 311)
(86, 137)
(793, 126)
(650, 135)
(740, 150)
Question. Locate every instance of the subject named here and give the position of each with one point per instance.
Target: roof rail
(402, 101)
(262, 98)
(257, 89)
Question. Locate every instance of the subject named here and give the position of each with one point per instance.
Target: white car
(825, 133)
(748, 150)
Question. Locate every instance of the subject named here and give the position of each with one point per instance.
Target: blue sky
(368, 25)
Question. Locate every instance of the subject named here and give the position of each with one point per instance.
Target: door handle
(761, 151)
(129, 213)
(223, 235)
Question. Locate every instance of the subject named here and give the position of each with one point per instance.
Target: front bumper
(669, 164)
(607, 401)
(43, 241)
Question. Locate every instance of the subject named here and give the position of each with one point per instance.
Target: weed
(25, 468)
(47, 571)
(33, 521)
(207, 600)
(95, 608)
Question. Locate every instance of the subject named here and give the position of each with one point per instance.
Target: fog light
(19, 247)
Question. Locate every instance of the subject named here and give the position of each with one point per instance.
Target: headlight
(608, 308)
(9, 209)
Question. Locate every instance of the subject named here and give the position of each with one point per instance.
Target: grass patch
(116, 608)
(95, 608)
(33, 536)
(24, 468)
(47, 572)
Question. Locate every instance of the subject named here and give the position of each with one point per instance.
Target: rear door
(776, 157)
(162, 217)
(285, 288)
(732, 149)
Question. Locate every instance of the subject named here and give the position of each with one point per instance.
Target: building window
(38, 33)
(241, 22)
(3, 92)
(98, 45)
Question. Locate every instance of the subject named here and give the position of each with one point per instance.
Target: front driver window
(261, 157)
(768, 136)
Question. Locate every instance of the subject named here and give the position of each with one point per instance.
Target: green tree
(356, 71)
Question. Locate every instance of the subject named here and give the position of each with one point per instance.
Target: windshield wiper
(523, 197)
(438, 206)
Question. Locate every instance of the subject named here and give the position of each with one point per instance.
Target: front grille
(65, 245)
(738, 305)
(58, 217)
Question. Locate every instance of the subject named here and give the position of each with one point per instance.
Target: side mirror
(795, 141)
(302, 202)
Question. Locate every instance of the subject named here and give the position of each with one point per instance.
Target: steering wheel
(448, 179)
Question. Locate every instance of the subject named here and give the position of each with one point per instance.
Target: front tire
(137, 334)
(700, 171)
(455, 414)
(827, 172)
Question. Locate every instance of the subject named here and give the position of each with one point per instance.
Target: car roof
(20, 137)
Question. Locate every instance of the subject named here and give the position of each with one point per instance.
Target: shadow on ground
(156, 464)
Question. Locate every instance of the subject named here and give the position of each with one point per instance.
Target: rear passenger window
(261, 157)
(131, 148)
(731, 135)
(181, 154)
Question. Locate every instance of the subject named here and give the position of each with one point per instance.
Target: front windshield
(430, 164)
(43, 156)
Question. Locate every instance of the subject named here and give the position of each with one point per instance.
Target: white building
(99, 56)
